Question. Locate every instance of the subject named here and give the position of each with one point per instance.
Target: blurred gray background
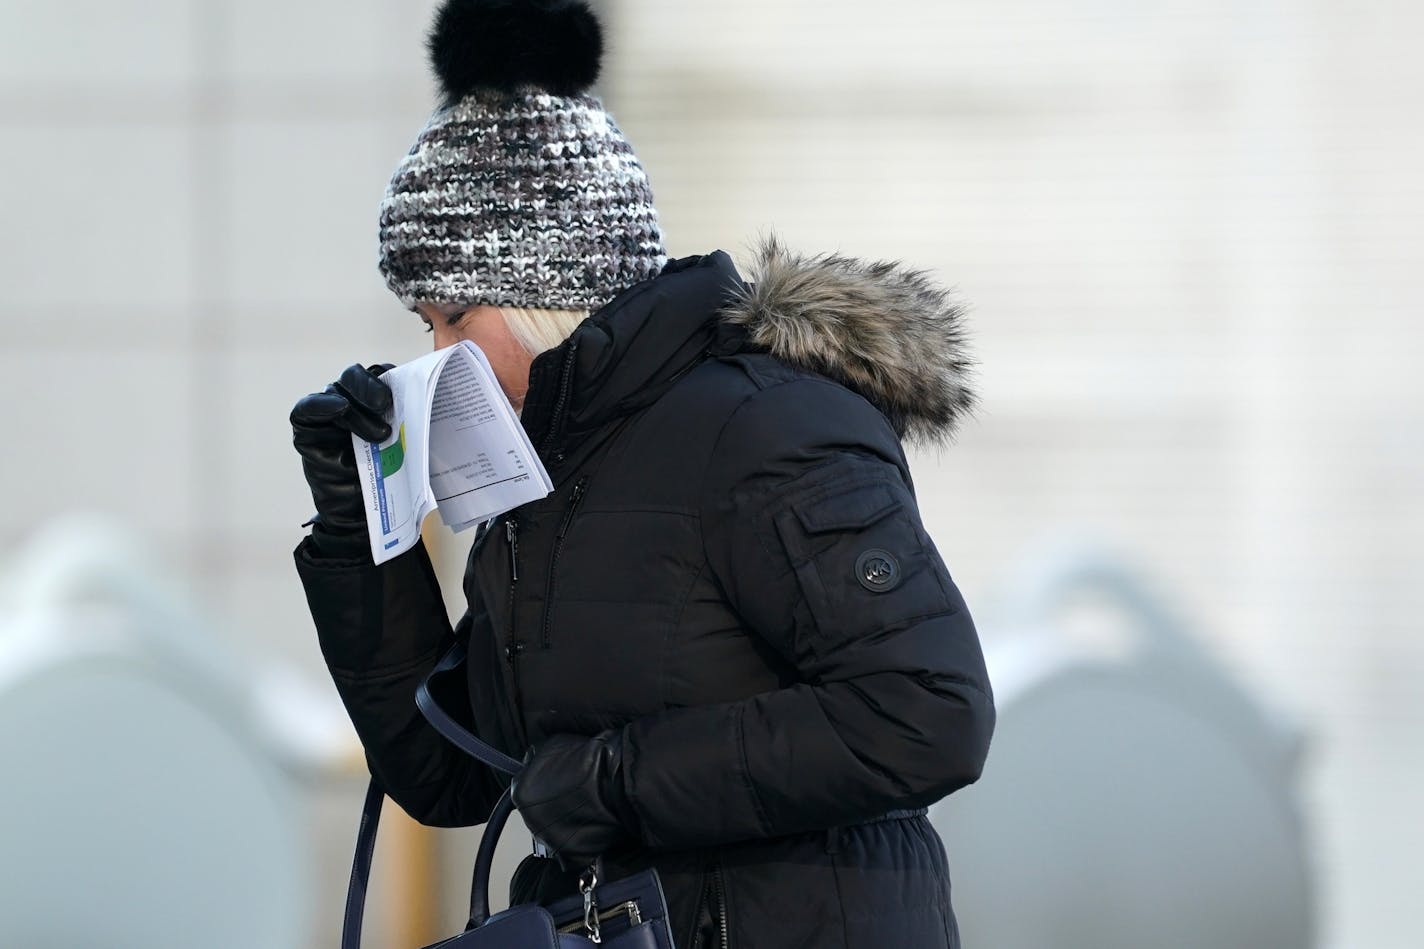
(1190, 233)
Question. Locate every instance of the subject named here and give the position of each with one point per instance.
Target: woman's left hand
(571, 796)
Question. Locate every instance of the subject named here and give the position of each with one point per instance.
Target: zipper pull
(573, 503)
(511, 526)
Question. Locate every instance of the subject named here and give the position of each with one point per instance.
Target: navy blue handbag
(630, 913)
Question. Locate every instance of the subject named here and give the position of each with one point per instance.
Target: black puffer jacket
(732, 569)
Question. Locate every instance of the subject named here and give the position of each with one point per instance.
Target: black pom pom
(554, 46)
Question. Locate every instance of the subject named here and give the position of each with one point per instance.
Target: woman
(724, 645)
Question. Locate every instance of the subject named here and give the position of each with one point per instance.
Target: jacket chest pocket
(862, 562)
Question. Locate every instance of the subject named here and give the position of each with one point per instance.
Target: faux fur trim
(888, 332)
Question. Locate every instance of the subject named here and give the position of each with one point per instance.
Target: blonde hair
(538, 329)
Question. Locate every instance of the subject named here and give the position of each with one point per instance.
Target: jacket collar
(626, 355)
(886, 331)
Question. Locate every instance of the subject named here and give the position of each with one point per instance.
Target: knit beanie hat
(520, 190)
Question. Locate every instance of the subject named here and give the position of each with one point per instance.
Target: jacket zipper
(513, 647)
(721, 891)
(555, 422)
(574, 499)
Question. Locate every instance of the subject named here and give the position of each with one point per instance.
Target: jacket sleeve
(382, 629)
(811, 529)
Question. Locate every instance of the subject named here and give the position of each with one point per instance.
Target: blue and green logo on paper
(393, 455)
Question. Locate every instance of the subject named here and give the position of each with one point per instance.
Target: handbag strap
(466, 741)
(484, 858)
(457, 734)
(361, 867)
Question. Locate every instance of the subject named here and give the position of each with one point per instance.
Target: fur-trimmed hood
(888, 332)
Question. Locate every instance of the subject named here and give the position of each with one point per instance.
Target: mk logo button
(877, 570)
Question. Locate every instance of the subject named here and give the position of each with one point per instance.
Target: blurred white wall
(1190, 232)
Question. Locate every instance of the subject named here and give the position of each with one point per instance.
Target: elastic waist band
(833, 834)
(894, 815)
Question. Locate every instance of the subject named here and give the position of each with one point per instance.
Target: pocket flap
(849, 509)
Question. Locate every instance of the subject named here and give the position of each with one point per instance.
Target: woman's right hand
(358, 403)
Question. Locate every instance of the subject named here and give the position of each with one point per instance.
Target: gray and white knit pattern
(525, 200)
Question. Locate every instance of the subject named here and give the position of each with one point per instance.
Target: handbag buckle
(587, 881)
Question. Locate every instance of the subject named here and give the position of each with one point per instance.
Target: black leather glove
(571, 796)
(322, 425)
